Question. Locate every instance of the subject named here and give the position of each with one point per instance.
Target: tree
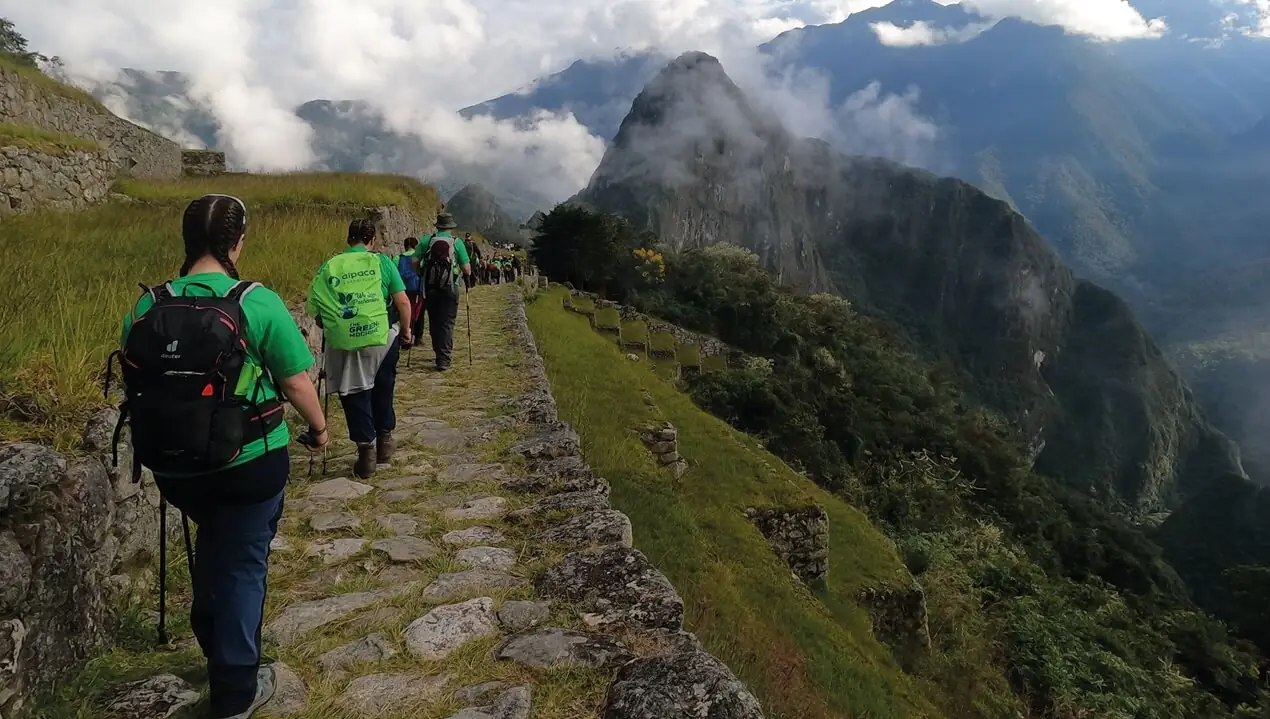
(13, 45)
(592, 250)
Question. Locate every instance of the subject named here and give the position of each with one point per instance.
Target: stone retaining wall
(393, 225)
(202, 163)
(137, 151)
(899, 620)
(70, 181)
(620, 591)
(710, 346)
(69, 528)
(799, 536)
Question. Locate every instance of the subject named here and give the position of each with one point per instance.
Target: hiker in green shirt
(358, 298)
(443, 263)
(197, 391)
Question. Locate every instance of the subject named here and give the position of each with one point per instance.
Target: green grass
(635, 333)
(46, 84)
(71, 277)
(662, 343)
(582, 305)
(688, 355)
(806, 656)
(714, 363)
(608, 320)
(45, 141)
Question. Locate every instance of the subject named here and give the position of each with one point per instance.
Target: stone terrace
(482, 576)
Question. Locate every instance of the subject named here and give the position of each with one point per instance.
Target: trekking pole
(326, 406)
(162, 639)
(468, 298)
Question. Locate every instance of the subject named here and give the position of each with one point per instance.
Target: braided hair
(212, 225)
(361, 232)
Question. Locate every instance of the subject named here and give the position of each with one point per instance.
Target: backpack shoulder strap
(240, 290)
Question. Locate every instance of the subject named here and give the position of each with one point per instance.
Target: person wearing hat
(443, 263)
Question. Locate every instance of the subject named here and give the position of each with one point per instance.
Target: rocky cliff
(70, 531)
(968, 277)
(697, 164)
(475, 208)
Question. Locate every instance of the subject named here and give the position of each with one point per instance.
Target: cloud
(1099, 19)
(923, 33)
(1258, 25)
(868, 122)
(416, 61)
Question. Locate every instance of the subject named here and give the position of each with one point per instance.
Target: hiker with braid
(359, 300)
(204, 399)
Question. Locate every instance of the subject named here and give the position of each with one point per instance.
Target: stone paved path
(482, 575)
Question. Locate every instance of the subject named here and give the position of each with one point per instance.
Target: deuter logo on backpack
(171, 351)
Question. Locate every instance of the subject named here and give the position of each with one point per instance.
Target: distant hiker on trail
(443, 263)
(206, 360)
(359, 300)
(414, 287)
(474, 256)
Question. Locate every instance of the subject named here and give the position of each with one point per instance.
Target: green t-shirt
(460, 253)
(271, 334)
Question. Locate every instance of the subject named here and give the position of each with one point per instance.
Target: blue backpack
(409, 276)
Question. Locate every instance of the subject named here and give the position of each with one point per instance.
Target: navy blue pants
(370, 413)
(236, 512)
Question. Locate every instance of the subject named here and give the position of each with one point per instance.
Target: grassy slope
(45, 141)
(44, 83)
(69, 278)
(805, 656)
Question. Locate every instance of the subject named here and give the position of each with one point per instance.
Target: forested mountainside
(965, 274)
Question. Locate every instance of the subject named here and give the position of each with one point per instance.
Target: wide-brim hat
(445, 221)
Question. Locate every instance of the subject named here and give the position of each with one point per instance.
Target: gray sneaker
(266, 685)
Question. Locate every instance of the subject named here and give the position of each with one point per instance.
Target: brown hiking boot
(364, 467)
(384, 446)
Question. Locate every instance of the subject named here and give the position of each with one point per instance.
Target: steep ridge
(697, 164)
(963, 272)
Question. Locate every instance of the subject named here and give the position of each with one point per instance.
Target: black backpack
(438, 268)
(181, 366)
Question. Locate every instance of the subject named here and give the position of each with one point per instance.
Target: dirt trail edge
(482, 575)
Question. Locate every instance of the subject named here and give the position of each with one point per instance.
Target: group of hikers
(209, 359)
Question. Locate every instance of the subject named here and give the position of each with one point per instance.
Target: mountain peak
(693, 95)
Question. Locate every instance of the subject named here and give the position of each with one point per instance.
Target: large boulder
(684, 685)
(616, 586)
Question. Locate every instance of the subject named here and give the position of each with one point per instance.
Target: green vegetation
(45, 141)
(73, 276)
(688, 355)
(608, 320)
(806, 656)
(592, 251)
(1039, 601)
(714, 363)
(582, 305)
(635, 334)
(662, 344)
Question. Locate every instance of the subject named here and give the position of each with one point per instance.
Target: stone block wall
(67, 181)
(136, 151)
(799, 536)
(394, 224)
(69, 528)
(898, 616)
(663, 441)
(202, 163)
